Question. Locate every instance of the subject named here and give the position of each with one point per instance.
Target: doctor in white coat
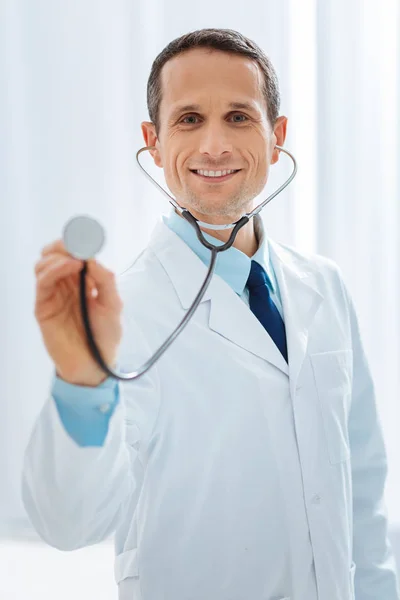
(235, 469)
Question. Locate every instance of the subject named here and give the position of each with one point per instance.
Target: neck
(245, 241)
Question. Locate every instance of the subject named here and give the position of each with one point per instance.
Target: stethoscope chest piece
(83, 237)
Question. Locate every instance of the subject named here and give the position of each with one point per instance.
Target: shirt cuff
(85, 411)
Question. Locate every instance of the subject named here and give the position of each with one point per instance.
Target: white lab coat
(181, 442)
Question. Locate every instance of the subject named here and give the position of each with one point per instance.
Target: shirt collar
(232, 264)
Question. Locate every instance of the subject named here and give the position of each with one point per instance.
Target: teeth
(214, 173)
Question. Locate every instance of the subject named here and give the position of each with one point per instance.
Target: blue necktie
(262, 305)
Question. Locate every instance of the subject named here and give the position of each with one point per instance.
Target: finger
(50, 258)
(56, 246)
(72, 292)
(105, 283)
(69, 278)
(71, 283)
(55, 271)
(90, 285)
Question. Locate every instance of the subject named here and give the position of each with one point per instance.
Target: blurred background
(73, 81)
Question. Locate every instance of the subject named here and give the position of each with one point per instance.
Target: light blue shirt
(86, 411)
(232, 264)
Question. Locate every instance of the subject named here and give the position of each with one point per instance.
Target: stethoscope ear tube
(76, 228)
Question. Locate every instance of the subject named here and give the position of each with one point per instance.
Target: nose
(214, 141)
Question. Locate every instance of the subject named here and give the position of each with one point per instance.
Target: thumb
(105, 283)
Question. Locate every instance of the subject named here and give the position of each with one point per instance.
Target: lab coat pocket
(126, 565)
(132, 434)
(332, 373)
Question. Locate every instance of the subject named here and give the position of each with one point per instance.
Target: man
(248, 463)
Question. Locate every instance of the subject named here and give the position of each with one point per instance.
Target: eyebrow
(196, 108)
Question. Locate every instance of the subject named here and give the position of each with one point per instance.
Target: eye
(240, 115)
(188, 117)
(242, 119)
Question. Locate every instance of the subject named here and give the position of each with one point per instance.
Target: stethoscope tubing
(153, 359)
(215, 250)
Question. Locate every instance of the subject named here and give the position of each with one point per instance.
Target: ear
(279, 137)
(151, 139)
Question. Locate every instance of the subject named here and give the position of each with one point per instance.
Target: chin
(224, 213)
(219, 206)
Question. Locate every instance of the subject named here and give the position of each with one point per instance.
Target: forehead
(203, 76)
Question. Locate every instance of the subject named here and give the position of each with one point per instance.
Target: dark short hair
(225, 40)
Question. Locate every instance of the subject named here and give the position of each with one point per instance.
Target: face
(213, 118)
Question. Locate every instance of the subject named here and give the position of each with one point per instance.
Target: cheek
(173, 172)
(263, 162)
(168, 164)
(257, 160)
(172, 163)
(257, 150)
(260, 167)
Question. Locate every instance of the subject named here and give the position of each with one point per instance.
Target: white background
(72, 95)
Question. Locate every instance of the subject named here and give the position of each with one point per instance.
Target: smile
(215, 176)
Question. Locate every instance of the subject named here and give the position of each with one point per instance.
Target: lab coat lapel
(229, 316)
(301, 299)
(233, 319)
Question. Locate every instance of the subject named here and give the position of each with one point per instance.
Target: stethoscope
(84, 237)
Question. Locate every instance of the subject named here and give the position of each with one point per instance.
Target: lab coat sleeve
(73, 493)
(81, 464)
(375, 575)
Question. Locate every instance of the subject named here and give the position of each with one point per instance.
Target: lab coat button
(105, 408)
(316, 499)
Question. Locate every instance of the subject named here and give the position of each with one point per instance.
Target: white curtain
(358, 166)
(72, 96)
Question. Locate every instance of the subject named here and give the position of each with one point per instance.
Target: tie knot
(257, 276)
